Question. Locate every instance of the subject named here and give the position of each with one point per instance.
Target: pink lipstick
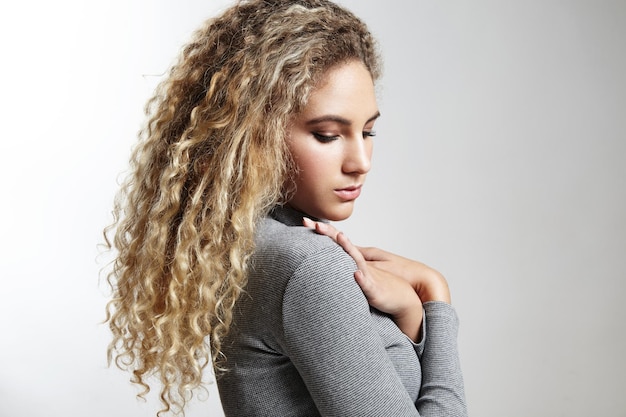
(349, 193)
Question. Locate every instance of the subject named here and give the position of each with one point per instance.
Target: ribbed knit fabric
(305, 342)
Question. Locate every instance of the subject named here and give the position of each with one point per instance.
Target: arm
(330, 337)
(384, 289)
(427, 283)
(442, 391)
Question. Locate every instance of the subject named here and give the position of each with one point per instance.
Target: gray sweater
(305, 342)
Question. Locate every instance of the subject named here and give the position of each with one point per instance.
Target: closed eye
(324, 138)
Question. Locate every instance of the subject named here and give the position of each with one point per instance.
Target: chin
(333, 213)
(342, 213)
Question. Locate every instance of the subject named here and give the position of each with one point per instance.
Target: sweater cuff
(443, 317)
(438, 311)
(441, 309)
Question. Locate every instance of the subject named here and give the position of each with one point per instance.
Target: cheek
(311, 159)
(311, 168)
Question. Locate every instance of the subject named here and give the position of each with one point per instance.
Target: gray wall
(499, 161)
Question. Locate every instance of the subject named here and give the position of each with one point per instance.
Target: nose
(358, 155)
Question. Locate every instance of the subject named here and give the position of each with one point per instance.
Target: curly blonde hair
(211, 161)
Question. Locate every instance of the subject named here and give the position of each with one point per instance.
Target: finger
(327, 230)
(374, 254)
(321, 228)
(306, 222)
(352, 250)
(364, 282)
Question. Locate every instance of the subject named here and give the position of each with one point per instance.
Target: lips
(349, 193)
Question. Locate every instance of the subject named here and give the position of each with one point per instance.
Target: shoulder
(296, 247)
(306, 266)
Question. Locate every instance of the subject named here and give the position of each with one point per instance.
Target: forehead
(343, 90)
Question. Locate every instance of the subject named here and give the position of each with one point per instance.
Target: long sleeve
(332, 341)
(305, 342)
(442, 392)
(330, 338)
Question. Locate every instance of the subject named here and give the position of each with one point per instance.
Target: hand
(428, 283)
(383, 289)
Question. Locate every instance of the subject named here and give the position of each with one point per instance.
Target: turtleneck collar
(290, 216)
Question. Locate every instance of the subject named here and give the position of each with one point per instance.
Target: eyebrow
(338, 119)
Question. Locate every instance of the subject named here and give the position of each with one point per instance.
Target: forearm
(409, 321)
(442, 392)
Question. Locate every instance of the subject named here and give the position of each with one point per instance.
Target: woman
(264, 125)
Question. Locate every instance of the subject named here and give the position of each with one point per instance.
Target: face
(331, 142)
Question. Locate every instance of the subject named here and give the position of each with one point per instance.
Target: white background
(499, 160)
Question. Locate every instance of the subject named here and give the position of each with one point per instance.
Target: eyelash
(324, 138)
(327, 139)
